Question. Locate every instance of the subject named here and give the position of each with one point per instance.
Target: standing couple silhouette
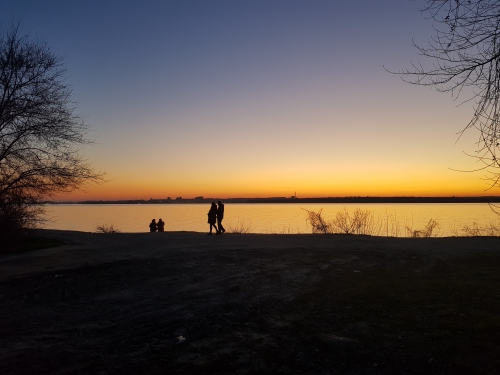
(216, 214)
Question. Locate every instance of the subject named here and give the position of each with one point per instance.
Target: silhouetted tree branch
(465, 51)
(40, 135)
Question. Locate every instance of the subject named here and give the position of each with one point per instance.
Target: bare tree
(465, 51)
(40, 136)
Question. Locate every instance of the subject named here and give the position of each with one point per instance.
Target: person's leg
(221, 228)
(212, 225)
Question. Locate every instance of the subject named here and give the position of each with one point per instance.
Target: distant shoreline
(293, 200)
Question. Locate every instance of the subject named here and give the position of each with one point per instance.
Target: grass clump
(475, 230)
(240, 227)
(105, 228)
(364, 222)
(360, 222)
(431, 229)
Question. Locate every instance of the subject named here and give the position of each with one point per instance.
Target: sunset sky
(255, 98)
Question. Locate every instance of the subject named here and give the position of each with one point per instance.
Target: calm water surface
(264, 218)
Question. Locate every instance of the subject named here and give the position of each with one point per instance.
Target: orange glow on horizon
(112, 191)
(307, 180)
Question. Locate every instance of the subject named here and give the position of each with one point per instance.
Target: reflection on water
(261, 218)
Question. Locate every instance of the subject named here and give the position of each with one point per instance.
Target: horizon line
(201, 199)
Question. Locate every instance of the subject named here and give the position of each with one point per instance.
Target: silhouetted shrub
(432, 228)
(364, 222)
(318, 223)
(104, 228)
(474, 230)
(239, 227)
(359, 222)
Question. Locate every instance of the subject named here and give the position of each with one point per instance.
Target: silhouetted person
(220, 216)
(152, 226)
(212, 217)
(161, 225)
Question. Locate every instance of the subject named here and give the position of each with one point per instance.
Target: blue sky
(254, 98)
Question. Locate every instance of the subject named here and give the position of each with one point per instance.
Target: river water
(390, 219)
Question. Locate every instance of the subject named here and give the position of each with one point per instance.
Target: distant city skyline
(255, 98)
(292, 200)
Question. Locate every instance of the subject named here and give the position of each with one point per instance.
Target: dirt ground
(188, 303)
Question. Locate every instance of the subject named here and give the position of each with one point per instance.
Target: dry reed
(364, 222)
(430, 230)
(474, 230)
(239, 227)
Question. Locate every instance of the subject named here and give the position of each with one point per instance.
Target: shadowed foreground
(187, 303)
